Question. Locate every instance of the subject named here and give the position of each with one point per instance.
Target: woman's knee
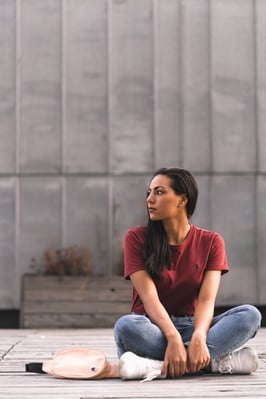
(129, 332)
(252, 313)
(250, 316)
(127, 324)
(121, 324)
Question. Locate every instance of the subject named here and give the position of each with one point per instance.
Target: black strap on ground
(34, 368)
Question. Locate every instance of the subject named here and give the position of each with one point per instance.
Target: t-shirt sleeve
(133, 253)
(217, 259)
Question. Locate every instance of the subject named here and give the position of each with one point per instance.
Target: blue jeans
(228, 331)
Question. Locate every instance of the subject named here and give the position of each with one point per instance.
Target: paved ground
(18, 347)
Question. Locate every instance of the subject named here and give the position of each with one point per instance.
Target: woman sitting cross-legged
(175, 268)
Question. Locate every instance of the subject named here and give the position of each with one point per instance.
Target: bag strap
(34, 368)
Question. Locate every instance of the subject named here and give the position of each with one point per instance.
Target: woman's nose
(150, 198)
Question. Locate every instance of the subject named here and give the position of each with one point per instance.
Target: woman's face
(162, 201)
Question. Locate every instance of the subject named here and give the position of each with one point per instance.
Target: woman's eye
(159, 192)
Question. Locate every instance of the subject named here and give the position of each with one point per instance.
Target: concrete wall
(97, 94)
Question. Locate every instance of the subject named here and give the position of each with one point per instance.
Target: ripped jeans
(228, 331)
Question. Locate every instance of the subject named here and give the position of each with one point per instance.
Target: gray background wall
(97, 94)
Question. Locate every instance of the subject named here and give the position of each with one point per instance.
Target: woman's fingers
(177, 369)
(196, 366)
(164, 369)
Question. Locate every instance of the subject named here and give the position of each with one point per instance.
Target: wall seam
(109, 268)
(63, 120)
(210, 115)
(257, 160)
(155, 81)
(180, 82)
(17, 148)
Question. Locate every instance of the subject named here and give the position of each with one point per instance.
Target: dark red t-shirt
(178, 290)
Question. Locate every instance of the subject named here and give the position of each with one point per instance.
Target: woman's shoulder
(137, 232)
(206, 234)
(134, 238)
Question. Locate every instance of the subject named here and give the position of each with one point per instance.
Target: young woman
(175, 268)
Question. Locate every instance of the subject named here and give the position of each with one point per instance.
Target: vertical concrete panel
(261, 82)
(195, 81)
(86, 86)
(40, 76)
(87, 218)
(131, 108)
(7, 86)
(167, 91)
(261, 239)
(233, 215)
(7, 243)
(40, 218)
(233, 119)
(202, 214)
(129, 210)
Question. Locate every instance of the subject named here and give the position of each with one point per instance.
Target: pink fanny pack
(77, 363)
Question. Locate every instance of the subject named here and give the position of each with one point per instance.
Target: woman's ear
(183, 200)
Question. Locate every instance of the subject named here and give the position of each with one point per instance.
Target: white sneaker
(243, 361)
(134, 367)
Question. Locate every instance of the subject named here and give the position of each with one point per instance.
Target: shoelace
(152, 375)
(225, 366)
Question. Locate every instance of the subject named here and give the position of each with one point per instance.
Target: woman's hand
(198, 352)
(198, 356)
(175, 360)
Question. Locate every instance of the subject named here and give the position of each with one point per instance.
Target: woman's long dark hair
(156, 249)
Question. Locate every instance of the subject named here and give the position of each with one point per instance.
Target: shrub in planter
(71, 261)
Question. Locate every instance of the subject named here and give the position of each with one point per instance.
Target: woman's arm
(198, 353)
(175, 357)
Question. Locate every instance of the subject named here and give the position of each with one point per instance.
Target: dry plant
(71, 261)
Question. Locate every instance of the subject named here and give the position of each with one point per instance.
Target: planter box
(73, 302)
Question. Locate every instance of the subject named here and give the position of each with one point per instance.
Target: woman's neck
(176, 231)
